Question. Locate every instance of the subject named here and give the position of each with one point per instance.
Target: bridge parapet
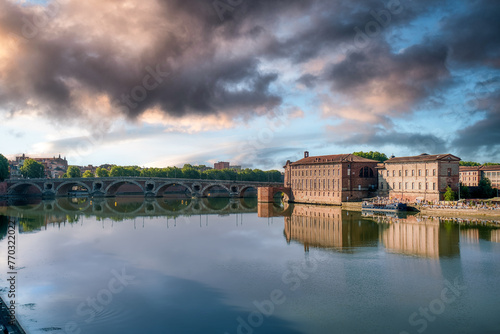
(105, 187)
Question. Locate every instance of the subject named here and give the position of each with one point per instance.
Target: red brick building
(470, 175)
(330, 179)
(423, 177)
(221, 165)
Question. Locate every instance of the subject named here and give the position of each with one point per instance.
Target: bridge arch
(269, 194)
(65, 187)
(25, 188)
(112, 189)
(203, 192)
(160, 190)
(247, 188)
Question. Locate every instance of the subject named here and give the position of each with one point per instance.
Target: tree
(449, 195)
(88, 173)
(464, 191)
(73, 172)
(372, 155)
(4, 168)
(469, 163)
(484, 189)
(32, 169)
(101, 172)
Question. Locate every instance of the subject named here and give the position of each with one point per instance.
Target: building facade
(418, 178)
(470, 175)
(493, 174)
(330, 179)
(54, 167)
(221, 165)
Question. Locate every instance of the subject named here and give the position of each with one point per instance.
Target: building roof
(331, 158)
(493, 168)
(469, 168)
(424, 158)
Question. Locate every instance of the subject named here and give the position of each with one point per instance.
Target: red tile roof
(423, 158)
(331, 158)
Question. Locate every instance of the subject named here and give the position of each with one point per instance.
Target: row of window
(310, 172)
(406, 186)
(400, 172)
(324, 193)
(316, 184)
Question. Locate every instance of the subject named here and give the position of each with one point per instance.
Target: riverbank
(444, 213)
(5, 320)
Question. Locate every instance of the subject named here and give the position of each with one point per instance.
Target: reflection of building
(421, 237)
(330, 179)
(495, 235)
(472, 234)
(423, 177)
(329, 227)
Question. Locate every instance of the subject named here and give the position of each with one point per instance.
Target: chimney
(306, 154)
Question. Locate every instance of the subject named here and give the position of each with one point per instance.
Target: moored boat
(383, 206)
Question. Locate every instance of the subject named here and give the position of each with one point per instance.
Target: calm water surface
(231, 266)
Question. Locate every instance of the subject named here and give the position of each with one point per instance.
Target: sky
(158, 83)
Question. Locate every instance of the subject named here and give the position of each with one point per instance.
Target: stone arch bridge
(109, 187)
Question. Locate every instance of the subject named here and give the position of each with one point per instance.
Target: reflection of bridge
(108, 187)
(131, 208)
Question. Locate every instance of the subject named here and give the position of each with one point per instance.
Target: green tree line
(186, 172)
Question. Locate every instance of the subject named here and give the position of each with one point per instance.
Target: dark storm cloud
(483, 136)
(352, 133)
(473, 35)
(180, 57)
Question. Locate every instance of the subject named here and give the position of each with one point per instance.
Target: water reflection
(329, 227)
(334, 228)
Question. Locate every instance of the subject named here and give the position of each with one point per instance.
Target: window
(426, 186)
(381, 185)
(393, 173)
(449, 171)
(420, 186)
(365, 172)
(406, 185)
(400, 172)
(400, 184)
(426, 172)
(412, 185)
(406, 173)
(393, 185)
(434, 172)
(387, 173)
(412, 172)
(434, 186)
(419, 172)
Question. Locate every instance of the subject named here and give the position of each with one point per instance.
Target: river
(236, 266)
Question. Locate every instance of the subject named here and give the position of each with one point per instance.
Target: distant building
(90, 168)
(471, 175)
(423, 177)
(330, 179)
(54, 167)
(221, 165)
(225, 165)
